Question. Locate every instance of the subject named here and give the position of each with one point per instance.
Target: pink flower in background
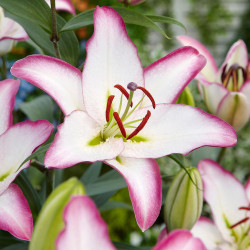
(64, 5)
(10, 33)
(100, 125)
(85, 229)
(226, 91)
(229, 201)
(17, 142)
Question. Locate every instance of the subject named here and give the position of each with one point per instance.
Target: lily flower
(85, 229)
(17, 142)
(64, 5)
(229, 201)
(10, 33)
(105, 122)
(226, 91)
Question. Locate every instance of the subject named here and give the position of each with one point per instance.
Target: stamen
(223, 74)
(244, 208)
(141, 125)
(240, 222)
(227, 77)
(120, 124)
(109, 103)
(148, 95)
(235, 80)
(124, 92)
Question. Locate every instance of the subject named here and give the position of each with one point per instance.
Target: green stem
(131, 94)
(54, 37)
(221, 155)
(38, 165)
(49, 181)
(4, 68)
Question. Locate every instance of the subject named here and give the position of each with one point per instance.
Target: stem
(221, 154)
(38, 165)
(49, 181)
(4, 68)
(54, 37)
(131, 94)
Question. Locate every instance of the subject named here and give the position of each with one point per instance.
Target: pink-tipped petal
(212, 94)
(8, 90)
(225, 195)
(166, 78)
(178, 129)
(245, 89)
(208, 233)
(237, 54)
(210, 70)
(78, 140)
(84, 227)
(16, 144)
(112, 59)
(15, 214)
(59, 79)
(145, 189)
(247, 188)
(163, 234)
(234, 109)
(180, 240)
(64, 5)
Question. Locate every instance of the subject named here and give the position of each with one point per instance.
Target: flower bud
(184, 200)
(50, 220)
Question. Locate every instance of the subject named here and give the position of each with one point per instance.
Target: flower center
(116, 122)
(234, 77)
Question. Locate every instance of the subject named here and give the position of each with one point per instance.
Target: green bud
(184, 200)
(50, 220)
(186, 97)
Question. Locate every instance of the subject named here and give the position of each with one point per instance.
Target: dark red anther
(244, 208)
(240, 222)
(109, 103)
(141, 125)
(148, 95)
(124, 92)
(120, 124)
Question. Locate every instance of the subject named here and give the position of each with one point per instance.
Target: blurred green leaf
(204, 152)
(109, 182)
(124, 246)
(30, 193)
(92, 173)
(6, 239)
(50, 221)
(35, 17)
(113, 205)
(21, 246)
(39, 108)
(129, 16)
(186, 97)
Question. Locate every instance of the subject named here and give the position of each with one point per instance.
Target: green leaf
(39, 108)
(186, 97)
(35, 17)
(6, 239)
(30, 193)
(50, 221)
(21, 246)
(35, 11)
(166, 20)
(109, 182)
(129, 16)
(124, 246)
(92, 173)
(42, 149)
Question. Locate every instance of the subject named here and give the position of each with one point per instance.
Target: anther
(132, 86)
(124, 92)
(240, 222)
(120, 124)
(148, 95)
(244, 208)
(141, 125)
(109, 103)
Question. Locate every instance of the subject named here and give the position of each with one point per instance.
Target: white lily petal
(112, 59)
(245, 89)
(84, 227)
(166, 78)
(8, 90)
(144, 183)
(78, 140)
(179, 129)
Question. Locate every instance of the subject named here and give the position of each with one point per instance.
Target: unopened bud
(184, 200)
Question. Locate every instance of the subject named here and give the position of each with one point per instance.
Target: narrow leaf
(92, 173)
